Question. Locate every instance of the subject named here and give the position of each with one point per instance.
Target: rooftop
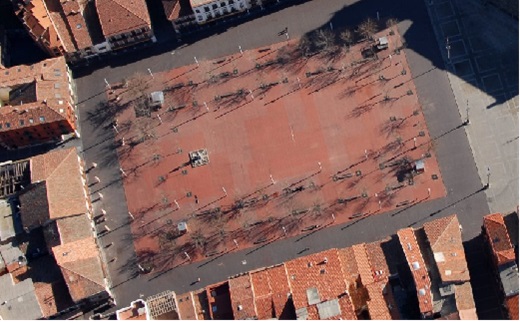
(271, 289)
(136, 311)
(7, 221)
(77, 24)
(498, 238)
(81, 267)
(512, 307)
(18, 301)
(465, 302)
(445, 239)
(50, 79)
(418, 268)
(12, 257)
(162, 306)
(120, 16)
(61, 172)
(242, 297)
(509, 278)
(186, 306)
(13, 177)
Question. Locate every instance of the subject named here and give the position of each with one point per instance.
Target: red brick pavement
(300, 132)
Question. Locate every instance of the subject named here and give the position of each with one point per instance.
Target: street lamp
(488, 174)
(466, 122)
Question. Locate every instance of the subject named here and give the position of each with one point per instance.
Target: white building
(206, 10)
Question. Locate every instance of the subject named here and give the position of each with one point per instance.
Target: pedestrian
(196, 199)
(198, 279)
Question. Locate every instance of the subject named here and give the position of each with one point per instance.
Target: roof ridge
(73, 271)
(59, 164)
(137, 14)
(252, 292)
(494, 217)
(445, 228)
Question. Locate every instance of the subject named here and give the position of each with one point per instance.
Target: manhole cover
(435, 177)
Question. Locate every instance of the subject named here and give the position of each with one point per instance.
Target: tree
(138, 84)
(325, 39)
(347, 37)
(367, 29)
(391, 23)
(305, 45)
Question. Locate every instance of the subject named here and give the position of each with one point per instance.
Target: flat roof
(18, 301)
(7, 227)
(509, 278)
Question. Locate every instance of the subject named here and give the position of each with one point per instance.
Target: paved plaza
(483, 73)
(465, 195)
(291, 147)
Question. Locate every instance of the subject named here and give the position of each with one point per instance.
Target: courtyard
(285, 144)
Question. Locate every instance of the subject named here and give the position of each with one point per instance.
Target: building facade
(37, 103)
(207, 10)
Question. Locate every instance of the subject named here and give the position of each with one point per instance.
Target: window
(222, 4)
(206, 9)
(42, 119)
(214, 6)
(22, 122)
(231, 1)
(31, 121)
(0, 126)
(197, 10)
(7, 125)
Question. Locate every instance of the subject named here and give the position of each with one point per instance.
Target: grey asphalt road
(465, 195)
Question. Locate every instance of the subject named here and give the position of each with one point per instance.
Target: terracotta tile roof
(60, 169)
(363, 264)
(52, 94)
(348, 311)
(417, 267)
(186, 306)
(119, 16)
(34, 206)
(81, 267)
(358, 294)
(242, 300)
(74, 228)
(512, 307)
(60, 24)
(377, 306)
(465, 302)
(348, 264)
(77, 24)
(172, 9)
(321, 271)
(498, 238)
(377, 259)
(271, 289)
(445, 241)
(52, 297)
